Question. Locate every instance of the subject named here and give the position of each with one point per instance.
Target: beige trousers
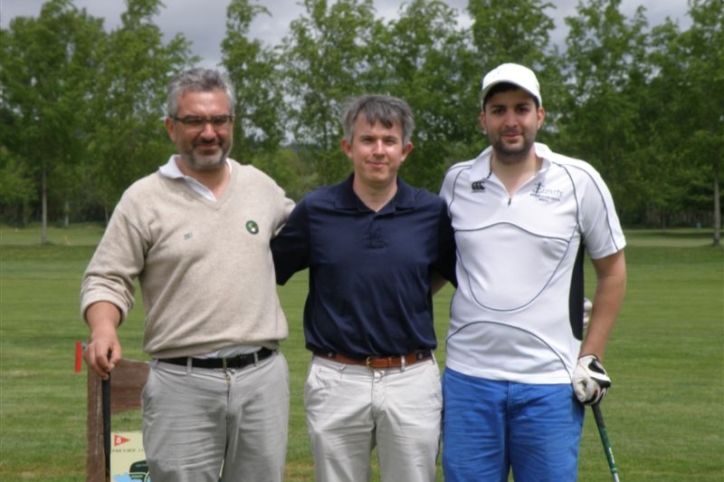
(196, 420)
(352, 409)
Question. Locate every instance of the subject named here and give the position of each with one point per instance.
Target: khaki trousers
(196, 419)
(352, 409)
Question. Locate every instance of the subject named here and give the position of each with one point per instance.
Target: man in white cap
(519, 369)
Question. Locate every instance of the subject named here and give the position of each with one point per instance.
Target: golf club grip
(598, 415)
(106, 400)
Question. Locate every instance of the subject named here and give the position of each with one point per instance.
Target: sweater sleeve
(116, 263)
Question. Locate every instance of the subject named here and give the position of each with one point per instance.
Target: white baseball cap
(515, 74)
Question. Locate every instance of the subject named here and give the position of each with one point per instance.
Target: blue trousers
(491, 427)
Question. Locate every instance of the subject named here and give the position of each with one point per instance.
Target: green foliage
(85, 104)
(326, 58)
(605, 56)
(692, 76)
(16, 188)
(81, 108)
(511, 31)
(47, 63)
(424, 63)
(254, 69)
(127, 138)
(287, 169)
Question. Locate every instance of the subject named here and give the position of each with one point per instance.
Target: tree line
(81, 108)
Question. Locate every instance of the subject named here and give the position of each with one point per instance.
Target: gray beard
(200, 163)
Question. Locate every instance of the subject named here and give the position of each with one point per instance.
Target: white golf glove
(590, 381)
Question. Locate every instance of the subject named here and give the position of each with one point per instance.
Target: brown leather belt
(379, 362)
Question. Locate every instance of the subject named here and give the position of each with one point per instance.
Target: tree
(606, 66)
(700, 88)
(45, 77)
(254, 70)
(16, 188)
(686, 92)
(287, 169)
(510, 31)
(127, 138)
(327, 57)
(425, 59)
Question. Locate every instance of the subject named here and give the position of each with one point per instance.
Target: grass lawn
(664, 414)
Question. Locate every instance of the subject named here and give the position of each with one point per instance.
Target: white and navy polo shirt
(517, 312)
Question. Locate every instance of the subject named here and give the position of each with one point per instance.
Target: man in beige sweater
(196, 235)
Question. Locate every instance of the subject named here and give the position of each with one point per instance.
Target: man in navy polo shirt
(377, 249)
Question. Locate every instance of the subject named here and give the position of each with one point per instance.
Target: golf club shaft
(604, 440)
(106, 400)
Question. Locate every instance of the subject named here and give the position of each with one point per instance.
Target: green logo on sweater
(252, 227)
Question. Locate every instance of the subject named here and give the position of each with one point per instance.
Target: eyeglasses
(195, 122)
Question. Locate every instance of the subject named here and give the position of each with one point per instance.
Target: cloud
(204, 23)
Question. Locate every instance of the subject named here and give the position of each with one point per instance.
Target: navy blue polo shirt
(369, 272)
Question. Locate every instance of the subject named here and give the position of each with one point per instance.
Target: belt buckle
(368, 362)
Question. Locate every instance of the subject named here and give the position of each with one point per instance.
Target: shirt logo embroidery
(478, 186)
(546, 195)
(252, 227)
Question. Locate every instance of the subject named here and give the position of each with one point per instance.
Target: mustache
(507, 132)
(206, 143)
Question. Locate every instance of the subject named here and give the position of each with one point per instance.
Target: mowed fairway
(665, 412)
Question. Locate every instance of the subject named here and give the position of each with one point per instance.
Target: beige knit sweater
(204, 267)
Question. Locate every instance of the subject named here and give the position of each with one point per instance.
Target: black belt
(237, 362)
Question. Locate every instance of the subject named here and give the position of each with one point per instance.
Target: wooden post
(127, 382)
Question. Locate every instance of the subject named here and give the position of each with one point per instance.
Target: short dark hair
(384, 109)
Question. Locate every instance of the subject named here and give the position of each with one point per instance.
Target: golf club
(106, 400)
(604, 440)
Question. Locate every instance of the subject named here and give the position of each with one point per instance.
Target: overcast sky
(204, 22)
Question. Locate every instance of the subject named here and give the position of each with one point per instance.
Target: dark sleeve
(446, 245)
(290, 247)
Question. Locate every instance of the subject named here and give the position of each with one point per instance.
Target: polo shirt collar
(172, 171)
(347, 199)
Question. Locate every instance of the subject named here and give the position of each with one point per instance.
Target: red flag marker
(119, 440)
(78, 356)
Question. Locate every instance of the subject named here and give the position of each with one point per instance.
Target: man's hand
(103, 350)
(590, 381)
(102, 353)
